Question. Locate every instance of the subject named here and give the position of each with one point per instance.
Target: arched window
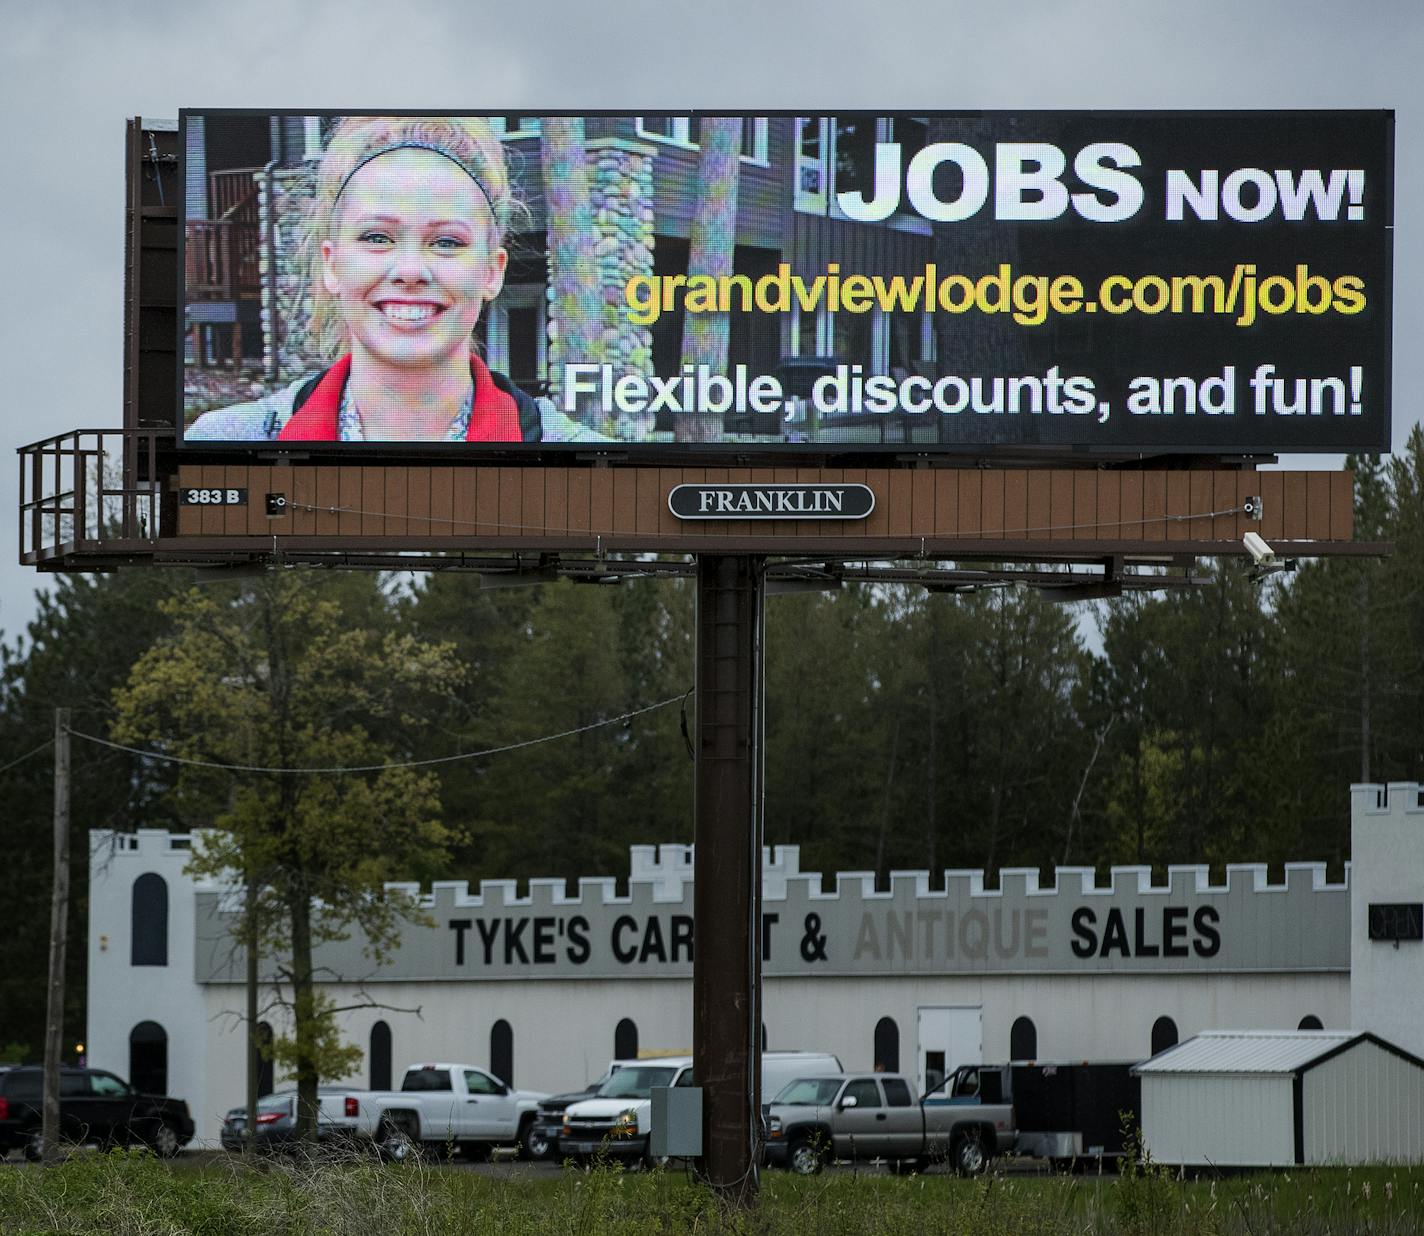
(148, 1058)
(887, 1046)
(149, 921)
(264, 1059)
(1311, 1022)
(380, 1056)
(1164, 1034)
(625, 1040)
(1023, 1040)
(502, 1052)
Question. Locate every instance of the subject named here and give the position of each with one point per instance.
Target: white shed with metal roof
(1267, 1098)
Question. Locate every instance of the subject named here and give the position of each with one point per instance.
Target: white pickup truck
(444, 1105)
(616, 1121)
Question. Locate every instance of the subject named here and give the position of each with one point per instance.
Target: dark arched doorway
(380, 1056)
(1023, 1040)
(148, 1058)
(1164, 1034)
(502, 1052)
(887, 1046)
(625, 1040)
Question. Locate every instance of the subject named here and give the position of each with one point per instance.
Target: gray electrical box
(677, 1122)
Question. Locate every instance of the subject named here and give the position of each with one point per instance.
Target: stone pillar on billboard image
(289, 351)
(620, 174)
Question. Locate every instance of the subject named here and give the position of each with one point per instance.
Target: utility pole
(254, 1062)
(58, 932)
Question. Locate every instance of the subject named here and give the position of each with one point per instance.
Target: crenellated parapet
(665, 873)
(1401, 801)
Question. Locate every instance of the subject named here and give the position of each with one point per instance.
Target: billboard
(1113, 282)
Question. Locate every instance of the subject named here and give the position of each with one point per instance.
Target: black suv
(94, 1106)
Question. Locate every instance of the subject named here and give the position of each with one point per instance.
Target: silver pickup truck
(817, 1120)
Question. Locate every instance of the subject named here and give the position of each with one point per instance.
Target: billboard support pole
(726, 968)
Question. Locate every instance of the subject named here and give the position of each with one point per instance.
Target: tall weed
(133, 1194)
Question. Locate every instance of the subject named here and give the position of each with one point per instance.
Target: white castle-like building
(543, 986)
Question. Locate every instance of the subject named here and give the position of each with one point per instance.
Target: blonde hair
(469, 141)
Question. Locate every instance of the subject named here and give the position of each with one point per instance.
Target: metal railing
(87, 487)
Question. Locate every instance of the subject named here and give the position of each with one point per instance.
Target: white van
(617, 1121)
(780, 1068)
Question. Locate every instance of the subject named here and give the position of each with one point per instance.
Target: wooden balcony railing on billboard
(232, 195)
(222, 260)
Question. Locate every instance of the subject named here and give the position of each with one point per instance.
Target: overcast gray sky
(71, 72)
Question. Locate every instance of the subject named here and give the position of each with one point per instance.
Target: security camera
(1264, 558)
(1261, 553)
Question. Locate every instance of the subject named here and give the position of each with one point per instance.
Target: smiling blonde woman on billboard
(404, 242)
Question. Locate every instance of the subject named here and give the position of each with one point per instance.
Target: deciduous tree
(284, 675)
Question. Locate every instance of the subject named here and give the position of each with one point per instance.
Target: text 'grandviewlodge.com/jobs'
(1241, 295)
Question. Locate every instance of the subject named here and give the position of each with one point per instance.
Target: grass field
(129, 1195)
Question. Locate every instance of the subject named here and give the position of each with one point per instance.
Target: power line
(44, 746)
(1130, 521)
(443, 759)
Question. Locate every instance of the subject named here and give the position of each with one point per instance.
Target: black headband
(417, 145)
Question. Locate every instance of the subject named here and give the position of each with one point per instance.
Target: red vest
(493, 418)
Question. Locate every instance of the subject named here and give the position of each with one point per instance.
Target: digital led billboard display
(1121, 282)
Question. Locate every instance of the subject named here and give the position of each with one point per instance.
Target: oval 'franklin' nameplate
(771, 501)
